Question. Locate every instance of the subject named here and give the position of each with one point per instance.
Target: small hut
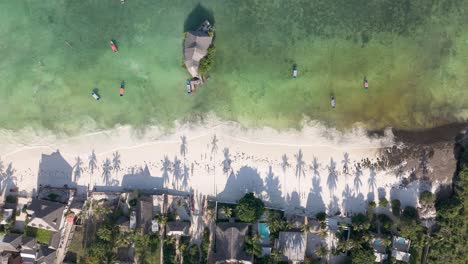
(196, 46)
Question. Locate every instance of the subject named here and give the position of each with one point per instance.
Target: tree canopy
(362, 256)
(250, 209)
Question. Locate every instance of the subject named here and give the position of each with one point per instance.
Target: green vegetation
(448, 244)
(207, 62)
(76, 252)
(362, 256)
(321, 216)
(107, 238)
(169, 251)
(426, 198)
(52, 196)
(383, 202)
(192, 255)
(41, 235)
(276, 223)
(249, 209)
(252, 245)
(205, 246)
(396, 207)
(11, 199)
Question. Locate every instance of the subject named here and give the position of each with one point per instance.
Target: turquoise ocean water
(414, 54)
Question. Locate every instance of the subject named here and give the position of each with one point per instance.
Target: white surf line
(159, 142)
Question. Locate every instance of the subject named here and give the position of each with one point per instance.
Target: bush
(396, 207)
(276, 223)
(11, 199)
(250, 208)
(207, 62)
(133, 202)
(52, 196)
(192, 254)
(409, 214)
(321, 216)
(383, 202)
(362, 256)
(426, 198)
(205, 246)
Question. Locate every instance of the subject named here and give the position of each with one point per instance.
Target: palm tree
(123, 239)
(252, 245)
(226, 211)
(306, 228)
(322, 251)
(323, 232)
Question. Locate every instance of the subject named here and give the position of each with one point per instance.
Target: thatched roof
(196, 45)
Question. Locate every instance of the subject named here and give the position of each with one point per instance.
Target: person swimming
(366, 84)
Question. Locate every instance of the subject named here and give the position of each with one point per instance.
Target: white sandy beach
(311, 170)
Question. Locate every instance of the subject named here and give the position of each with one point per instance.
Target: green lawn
(41, 235)
(76, 250)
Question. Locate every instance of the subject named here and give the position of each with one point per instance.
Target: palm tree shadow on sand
(166, 168)
(78, 168)
(183, 146)
(92, 164)
(332, 177)
(106, 171)
(196, 17)
(357, 177)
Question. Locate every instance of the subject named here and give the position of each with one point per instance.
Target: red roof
(70, 218)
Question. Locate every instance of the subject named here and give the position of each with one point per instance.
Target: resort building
(196, 46)
(400, 249)
(229, 244)
(45, 215)
(380, 250)
(177, 228)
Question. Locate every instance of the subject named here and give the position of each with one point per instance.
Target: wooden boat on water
(113, 46)
(122, 88)
(188, 86)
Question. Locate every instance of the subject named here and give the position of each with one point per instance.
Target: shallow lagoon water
(413, 53)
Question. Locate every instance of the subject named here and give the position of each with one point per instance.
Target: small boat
(332, 101)
(122, 88)
(366, 84)
(113, 46)
(95, 95)
(294, 71)
(188, 86)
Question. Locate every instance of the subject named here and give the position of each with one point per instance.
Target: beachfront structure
(24, 249)
(400, 248)
(196, 46)
(229, 245)
(145, 215)
(293, 246)
(45, 214)
(177, 228)
(380, 250)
